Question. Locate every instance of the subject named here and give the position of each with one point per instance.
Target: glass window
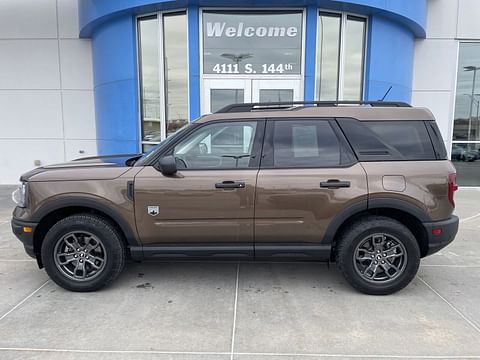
(466, 129)
(220, 98)
(354, 55)
(149, 77)
(340, 56)
(307, 143)
(176, 71)
(276, 95)
(164, 94)
(389, 140)
(246, 42)
(409, 138)
(217, 146)
(328, 56)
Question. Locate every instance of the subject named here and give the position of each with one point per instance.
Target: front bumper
(449, 228)
(25, 237)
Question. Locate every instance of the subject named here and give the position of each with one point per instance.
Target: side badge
(153, 210)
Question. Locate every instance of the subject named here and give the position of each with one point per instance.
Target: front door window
(217, 146)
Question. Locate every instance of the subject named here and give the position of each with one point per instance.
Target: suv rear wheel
(378, 255)
(83, 252)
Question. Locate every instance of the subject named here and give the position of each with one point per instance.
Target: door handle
(334, 184)
(228, 184)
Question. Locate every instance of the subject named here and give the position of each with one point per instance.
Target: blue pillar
(116, 86)
(389, 60)
(193, 61)
(310, 52)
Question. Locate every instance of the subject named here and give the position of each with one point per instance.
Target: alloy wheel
(80, 256)
(380, 258)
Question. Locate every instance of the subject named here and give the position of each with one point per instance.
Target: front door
(219, 93)
(207, 208)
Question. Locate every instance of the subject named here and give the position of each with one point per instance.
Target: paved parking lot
(243, 311)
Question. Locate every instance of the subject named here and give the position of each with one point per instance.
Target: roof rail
(289, 105)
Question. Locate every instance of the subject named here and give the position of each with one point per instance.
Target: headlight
(19, 196)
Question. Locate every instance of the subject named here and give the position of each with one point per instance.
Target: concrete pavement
(246, 311)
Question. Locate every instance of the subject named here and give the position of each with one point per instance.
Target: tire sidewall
(404, 236)
(99, 228)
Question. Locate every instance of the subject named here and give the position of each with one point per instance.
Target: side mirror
(167, 165)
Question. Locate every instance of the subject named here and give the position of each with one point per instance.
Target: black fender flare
(92, 203)
(371, 204)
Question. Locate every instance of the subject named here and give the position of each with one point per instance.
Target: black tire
(355, 239)
(71, 228)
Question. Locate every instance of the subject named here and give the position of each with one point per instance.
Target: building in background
(101, 77)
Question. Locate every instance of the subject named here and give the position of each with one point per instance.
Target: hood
(89, 168)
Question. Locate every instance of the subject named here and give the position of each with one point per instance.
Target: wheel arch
(407, 214)
(59, 209)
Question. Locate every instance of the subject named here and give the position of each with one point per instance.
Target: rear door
(308, 176)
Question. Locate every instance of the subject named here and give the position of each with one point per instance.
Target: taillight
(452, 187)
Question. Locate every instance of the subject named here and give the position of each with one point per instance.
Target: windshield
(162, 144)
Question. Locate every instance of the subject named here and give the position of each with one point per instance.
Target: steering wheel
(181, 162)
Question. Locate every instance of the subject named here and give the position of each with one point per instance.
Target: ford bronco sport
(367, 185)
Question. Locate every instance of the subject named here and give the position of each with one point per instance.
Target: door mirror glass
(167, 165)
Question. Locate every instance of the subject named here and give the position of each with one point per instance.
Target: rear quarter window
(389, 140)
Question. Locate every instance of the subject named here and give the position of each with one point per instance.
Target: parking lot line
(235, 312)
(472, 324)
(470, 218)
(21, 302)
(138, 352)
(258, 354)
(374, 356)
(450, 265)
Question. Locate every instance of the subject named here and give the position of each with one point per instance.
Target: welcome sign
(252, 43)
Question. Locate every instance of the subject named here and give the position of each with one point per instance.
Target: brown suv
(367, 185)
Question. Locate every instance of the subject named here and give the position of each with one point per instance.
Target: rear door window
(305, 143)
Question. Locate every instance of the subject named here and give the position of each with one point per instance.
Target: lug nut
(81, 261)
(75, 256)
(383, 262)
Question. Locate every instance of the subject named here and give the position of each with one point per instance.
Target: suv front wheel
(378, 255)
(83, 252)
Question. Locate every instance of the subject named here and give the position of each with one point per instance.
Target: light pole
(474, 69)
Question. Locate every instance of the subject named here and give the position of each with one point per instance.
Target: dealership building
(105, 77)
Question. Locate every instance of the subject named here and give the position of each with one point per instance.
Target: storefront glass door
(222, 92)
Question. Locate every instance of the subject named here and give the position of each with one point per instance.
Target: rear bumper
(449, 228)
(25, 238)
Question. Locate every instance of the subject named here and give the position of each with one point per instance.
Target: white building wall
(436, 58)
(46, 86)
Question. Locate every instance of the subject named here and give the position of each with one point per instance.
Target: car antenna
(384, 96)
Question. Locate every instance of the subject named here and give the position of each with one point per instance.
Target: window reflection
(149, 67)
(340, 72)
(354, 55)
(248, 42)
(276, 95)
(220, 98)
(176, 71)
(328, 56)
(466, 131)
